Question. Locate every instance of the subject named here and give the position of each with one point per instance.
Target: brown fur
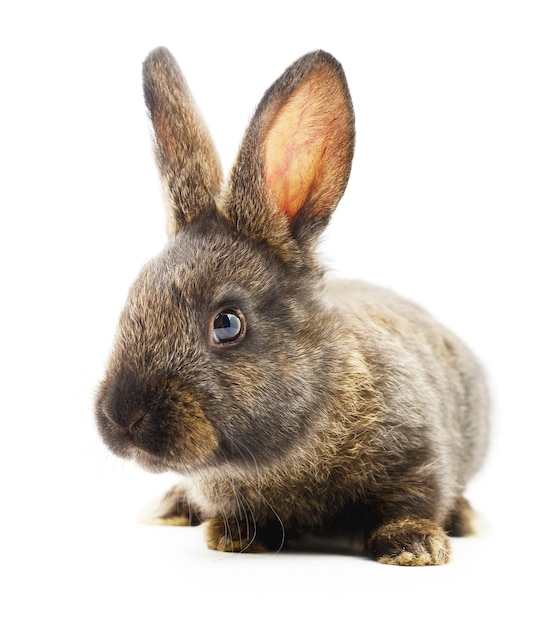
(342, 407)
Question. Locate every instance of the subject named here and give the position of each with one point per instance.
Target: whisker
(262, 497)
(243, 508)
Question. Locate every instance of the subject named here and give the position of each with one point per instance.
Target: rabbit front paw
(173, 509)
(410, 541)
(233, 536)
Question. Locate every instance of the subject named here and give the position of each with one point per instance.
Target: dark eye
(228, 326)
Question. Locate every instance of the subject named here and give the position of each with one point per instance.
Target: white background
(440, 207)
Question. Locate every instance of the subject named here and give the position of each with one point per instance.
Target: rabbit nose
(124, 417)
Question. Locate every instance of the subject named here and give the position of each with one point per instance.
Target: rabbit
(289, 404)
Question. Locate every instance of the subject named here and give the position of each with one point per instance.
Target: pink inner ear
(294, 147)
(304, 145)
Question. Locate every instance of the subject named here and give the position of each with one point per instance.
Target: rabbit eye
(228, 326)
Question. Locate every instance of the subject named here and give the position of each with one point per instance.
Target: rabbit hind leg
(461, 520)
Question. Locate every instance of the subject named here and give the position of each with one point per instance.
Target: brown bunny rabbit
(290, 405)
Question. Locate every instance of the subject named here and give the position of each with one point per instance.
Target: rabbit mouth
(151, 454)
(149, 461)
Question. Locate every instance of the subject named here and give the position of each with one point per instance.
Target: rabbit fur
(289, 404)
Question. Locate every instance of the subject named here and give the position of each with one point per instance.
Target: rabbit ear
(296, 156)
(188, 163)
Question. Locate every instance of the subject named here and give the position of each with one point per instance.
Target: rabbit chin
(185, 463)
(149, 462)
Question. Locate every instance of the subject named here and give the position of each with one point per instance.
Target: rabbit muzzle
(160, 424)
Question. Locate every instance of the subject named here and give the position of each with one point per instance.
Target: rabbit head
(224, 346)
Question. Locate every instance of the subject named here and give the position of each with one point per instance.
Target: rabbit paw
(410, 541)
(462, 520)
(232, 536)
(172, 509)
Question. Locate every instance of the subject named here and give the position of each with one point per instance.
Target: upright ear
(189, 166)
(295, 159)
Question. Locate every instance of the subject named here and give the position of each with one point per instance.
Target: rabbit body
(289, 404)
